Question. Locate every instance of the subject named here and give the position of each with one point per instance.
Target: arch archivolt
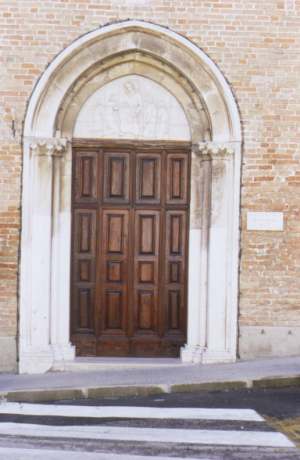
(184, 71)
(135, 63)
(169, 50)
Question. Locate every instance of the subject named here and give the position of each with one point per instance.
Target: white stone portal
(132, 107)
(139, 81)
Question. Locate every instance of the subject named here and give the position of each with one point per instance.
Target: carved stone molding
(47, 146)
(213, 150)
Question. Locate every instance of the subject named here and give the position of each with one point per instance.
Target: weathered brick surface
(256, 44)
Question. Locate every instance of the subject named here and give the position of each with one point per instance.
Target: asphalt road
(280, 408)
(279, 403)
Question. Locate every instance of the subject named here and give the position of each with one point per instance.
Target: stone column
(198, 257)
(36, 347)
(219, 255)
(61, 259)
(209, 258)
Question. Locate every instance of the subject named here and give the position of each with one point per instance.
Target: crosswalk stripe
(36, 454)
(166, 435)
(130, 412)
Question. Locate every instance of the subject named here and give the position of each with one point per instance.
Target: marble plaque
(265, 221)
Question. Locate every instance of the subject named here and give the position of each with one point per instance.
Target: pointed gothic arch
(183, 69)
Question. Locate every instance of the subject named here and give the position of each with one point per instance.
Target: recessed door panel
(84, 260)
(85, 225)
(175, 271)
(177, 178)
(116, 177)
(113, 309)
(145, 310)
(147, 232)
(146, 271)
(114, 228)
(145, 283)
(113, 272)
(174, 304)
(84, 273)
(85, 309)
(86, 179)
(148, 178)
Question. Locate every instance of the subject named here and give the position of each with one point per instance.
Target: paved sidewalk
(149, 378)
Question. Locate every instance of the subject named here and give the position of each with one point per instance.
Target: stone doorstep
(98, 364)
(56, 394)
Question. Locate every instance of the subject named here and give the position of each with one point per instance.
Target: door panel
(85, 321)
(148, 178)
(146, 282)
(177, 178)
(175, 269)
(84, 274)
(113, 309)
(86, 178)
(112, 291)
(129, 250)
(146, 233)
(116, 177)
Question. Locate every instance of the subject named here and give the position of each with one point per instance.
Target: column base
(63, 352)
(35, 361)
(218, 357)
(196, 354)
(191, 354)
(62, 355)
(8, 359)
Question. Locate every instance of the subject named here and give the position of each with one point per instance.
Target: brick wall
(257, 46)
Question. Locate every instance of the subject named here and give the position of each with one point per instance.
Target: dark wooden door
(129, 249)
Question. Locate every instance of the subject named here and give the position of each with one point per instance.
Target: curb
(59, 394)
(277, 382)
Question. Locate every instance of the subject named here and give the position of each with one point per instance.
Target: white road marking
(36, 454)
(214, 437)
(130, 412)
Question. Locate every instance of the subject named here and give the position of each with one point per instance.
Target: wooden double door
(129, 248)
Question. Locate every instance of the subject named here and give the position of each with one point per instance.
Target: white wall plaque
(265, 221)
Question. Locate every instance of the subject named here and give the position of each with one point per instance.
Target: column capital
(43, 146)
(213, 150)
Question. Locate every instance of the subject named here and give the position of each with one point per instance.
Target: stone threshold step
(94, 364)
